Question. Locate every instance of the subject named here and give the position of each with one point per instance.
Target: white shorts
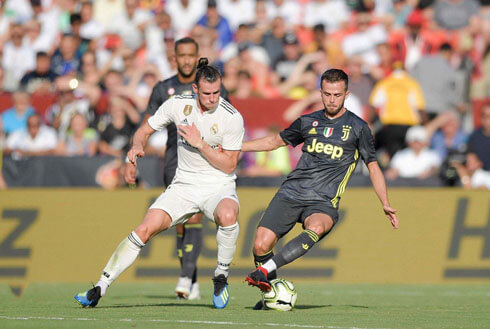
(181, 201)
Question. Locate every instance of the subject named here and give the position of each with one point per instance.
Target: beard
(333, 111)
(184, 74)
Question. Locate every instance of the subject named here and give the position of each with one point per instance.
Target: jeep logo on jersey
(214, 129)
(334, 151)
(346, 130)
(187, 110)
(328, 132)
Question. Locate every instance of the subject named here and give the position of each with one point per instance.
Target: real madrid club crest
(214, 129)
(327, 132)
(187, 110)
(345, 130)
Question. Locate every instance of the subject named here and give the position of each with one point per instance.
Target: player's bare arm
(139, 141)
(379, 185)
(268, 143)
(224, 160)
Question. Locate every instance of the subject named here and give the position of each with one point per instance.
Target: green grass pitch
(320, 305)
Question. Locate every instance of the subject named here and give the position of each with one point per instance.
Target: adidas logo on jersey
(312, 131)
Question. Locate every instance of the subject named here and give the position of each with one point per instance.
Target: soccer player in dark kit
(333, 138)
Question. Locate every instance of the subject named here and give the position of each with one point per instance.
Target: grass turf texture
(320, 305)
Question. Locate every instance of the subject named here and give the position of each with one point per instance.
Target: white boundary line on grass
(228, 323)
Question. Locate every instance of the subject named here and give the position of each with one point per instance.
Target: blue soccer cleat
(89, 298)
(221, 294)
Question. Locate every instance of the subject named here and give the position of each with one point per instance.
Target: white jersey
(222, 126)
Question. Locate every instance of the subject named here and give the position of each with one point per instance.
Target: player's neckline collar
(334, 119)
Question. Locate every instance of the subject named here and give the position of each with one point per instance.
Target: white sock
(270, 266)
(124, 255)
(226, 238)
(103, 287)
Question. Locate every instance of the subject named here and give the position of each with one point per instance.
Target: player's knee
(262, 247)
(143, 232)
(226, 217)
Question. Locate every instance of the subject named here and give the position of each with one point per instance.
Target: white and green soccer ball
(282, 296)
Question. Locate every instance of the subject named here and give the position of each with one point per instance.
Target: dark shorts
(281, 215)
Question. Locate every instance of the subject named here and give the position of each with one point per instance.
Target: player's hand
(391, 214)
(134, 153)
(191, 134)
(130, 173)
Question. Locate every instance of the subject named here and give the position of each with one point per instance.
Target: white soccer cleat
(195, 294)
(183, 288)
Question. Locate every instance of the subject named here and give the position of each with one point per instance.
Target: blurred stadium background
(411, 63)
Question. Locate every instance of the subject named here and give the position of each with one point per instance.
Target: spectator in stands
(289, 10)
(285, 63)
(244, 87)
(243, 38)
(270, 164)
(67, 105)
(455, 14)
(131, 24)
(41, 78)
(272, 38)
(364, 40)
(320, 11)
(65, 59)
(36, 40)
(360, 84)
(217, 23)
(80, 140)
(115, 138)
(398, 100)
(237, 12)
(36, 140)
(185, 14)
(18, 58)
(472, 174)
(15, 118)
(440, 82)
(416, 161)
(399, 13)
(445, 134)
(90, 28)
(331, 48)
(479, 141)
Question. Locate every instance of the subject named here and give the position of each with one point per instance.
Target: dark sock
(179, 242)
(262, 259)
(296, 248)
(191, 248)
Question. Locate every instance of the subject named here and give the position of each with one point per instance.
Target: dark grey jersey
(330, 153)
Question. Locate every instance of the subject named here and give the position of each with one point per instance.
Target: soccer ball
(282, 296)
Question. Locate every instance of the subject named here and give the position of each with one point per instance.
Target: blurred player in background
(189, 235)
(211, 133)
(333, 140)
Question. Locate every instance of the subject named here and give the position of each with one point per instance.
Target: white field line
(226, 323)
(406, 293)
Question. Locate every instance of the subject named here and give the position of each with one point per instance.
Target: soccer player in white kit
(211, 133)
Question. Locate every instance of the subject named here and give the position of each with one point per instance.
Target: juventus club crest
(327, 132)
(345, 130)
(187, 110)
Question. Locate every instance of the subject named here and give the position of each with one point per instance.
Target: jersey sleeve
(366, 145)
(163, 116)
(293, 135)
(233, 135)
(157, 97)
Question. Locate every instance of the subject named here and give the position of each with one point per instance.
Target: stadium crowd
(76, 76)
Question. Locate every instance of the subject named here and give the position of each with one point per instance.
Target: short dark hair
(335, 75)
(445, 47)
(186, 40)
(206, 71)
(42, 54)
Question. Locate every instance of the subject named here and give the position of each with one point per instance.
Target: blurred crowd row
(411, 64)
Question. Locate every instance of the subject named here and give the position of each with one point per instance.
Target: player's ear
(195, 88)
